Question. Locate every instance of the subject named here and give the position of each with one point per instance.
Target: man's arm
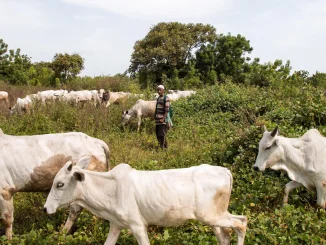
(167, 107)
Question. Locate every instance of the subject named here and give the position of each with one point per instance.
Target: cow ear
(79, 176)
(83, 162)
(274, 132)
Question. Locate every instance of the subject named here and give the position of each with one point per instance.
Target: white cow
(141, 109)
(4, 97)
(96, 97)
(304, 160)
(22, 105)
(81, 97)
(30, 163)
(172, 97)
(46, 96)
(182, 94)
(135, 199)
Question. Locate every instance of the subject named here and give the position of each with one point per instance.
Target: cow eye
(60, 184)
(268, 147)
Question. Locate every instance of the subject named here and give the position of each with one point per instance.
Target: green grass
(220, 126)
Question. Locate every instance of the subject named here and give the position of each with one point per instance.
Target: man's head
(160, 90)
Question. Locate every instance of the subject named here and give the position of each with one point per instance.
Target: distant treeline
(177, 55)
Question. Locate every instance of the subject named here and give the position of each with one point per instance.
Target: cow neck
(293, 153)
(132, 112)
(98, 188)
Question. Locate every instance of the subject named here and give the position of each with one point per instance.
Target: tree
(14, 66)
(4, 60)
(168, 46)
(271, 73)
(226, 56)
(41, 73)
(66, 66)
(318, 79)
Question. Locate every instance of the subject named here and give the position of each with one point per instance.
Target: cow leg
(7, 213)
(222, 235)
(236, 222)
(139, 122)
(107, 104)
(74, 212)
(140, 233)
(113, 235)
(288, 188)
(321, 195)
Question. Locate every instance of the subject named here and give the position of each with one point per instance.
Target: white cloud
(89, 17)
(22, 14)
(149, 9)
(313, 7)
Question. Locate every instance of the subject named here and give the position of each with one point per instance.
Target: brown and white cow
(30, 163)
(109, 97)
(132, 199)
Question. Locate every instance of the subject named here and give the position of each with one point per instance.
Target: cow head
(125, 117)
(64, 185)
(270, 153)
(106, 96)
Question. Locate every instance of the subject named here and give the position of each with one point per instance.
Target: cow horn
(274, 132)
(264, 128)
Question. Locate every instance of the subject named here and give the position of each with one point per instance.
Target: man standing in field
(161, 113)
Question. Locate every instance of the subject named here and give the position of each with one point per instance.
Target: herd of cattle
(141, 109)
(75, 168)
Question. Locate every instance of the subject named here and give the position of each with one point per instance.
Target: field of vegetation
(220, 125)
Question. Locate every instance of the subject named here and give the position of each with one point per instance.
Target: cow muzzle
(256, 168)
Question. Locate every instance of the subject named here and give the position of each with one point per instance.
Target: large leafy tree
(41, 73)
(271, 73)
(318, 79)
(14, 66)
(66, 66)
(227, 56)
(4, 59)
(166, 48)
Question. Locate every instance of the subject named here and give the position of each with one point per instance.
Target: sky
(104, 32)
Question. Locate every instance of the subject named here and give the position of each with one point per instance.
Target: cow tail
(107, 153)
(231, 181)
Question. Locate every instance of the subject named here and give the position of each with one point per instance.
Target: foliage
(219, 125)
(226, 56)
(14, 66)
(167, 47)
(66, 66)
(318, 80)
(41, 74)
(268, 74)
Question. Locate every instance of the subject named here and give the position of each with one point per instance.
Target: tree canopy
(66, 66)
(226, 56)
(168, 46)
